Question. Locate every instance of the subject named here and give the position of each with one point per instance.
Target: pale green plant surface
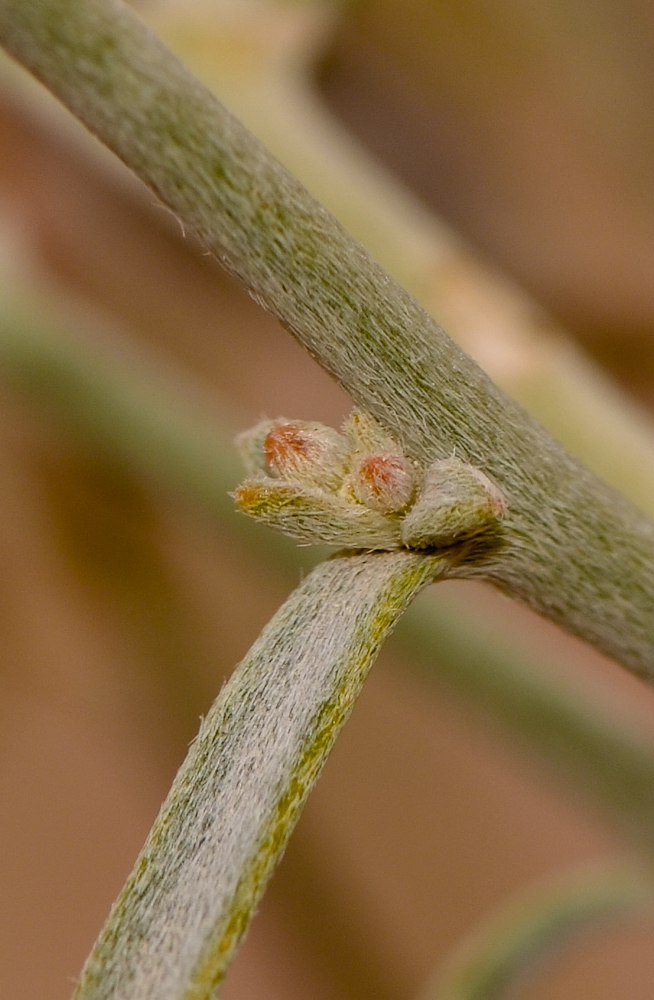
(257, 58)
(601, 755)
(356, 490)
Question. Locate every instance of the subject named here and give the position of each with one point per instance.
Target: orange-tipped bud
(384, 482)
(287, 446)
(298, 450)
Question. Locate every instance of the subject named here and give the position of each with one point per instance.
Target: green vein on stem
(510, 945)
(232, 806)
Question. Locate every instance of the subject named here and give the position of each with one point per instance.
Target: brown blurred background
(530, 128)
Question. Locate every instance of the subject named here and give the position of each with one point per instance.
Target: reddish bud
(305, 451)
(287, 445)
(384, 482)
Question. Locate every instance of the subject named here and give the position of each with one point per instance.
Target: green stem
(177, 923)
(572, 548)
(500, 955)
(271, 88)
(143, 421)
(147, 423)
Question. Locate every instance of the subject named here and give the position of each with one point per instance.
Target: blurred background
(125, 601)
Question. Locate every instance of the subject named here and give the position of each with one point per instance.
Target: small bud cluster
(357, 490)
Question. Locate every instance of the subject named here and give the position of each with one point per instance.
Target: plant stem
(175, 926)
(506, 948)
(270, 85)
(572, 548)
(147, 423)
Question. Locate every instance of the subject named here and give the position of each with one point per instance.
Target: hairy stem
(271, 88)
(571, 547)
(149, 424)
(177, 923)
(501, 954)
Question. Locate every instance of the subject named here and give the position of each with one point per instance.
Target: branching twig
(572, 548)
(145, 423)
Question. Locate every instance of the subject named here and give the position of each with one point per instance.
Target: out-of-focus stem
(605, 758)
(505, 949)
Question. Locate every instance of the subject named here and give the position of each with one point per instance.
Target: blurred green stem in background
(613, 765)
(502, 953)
